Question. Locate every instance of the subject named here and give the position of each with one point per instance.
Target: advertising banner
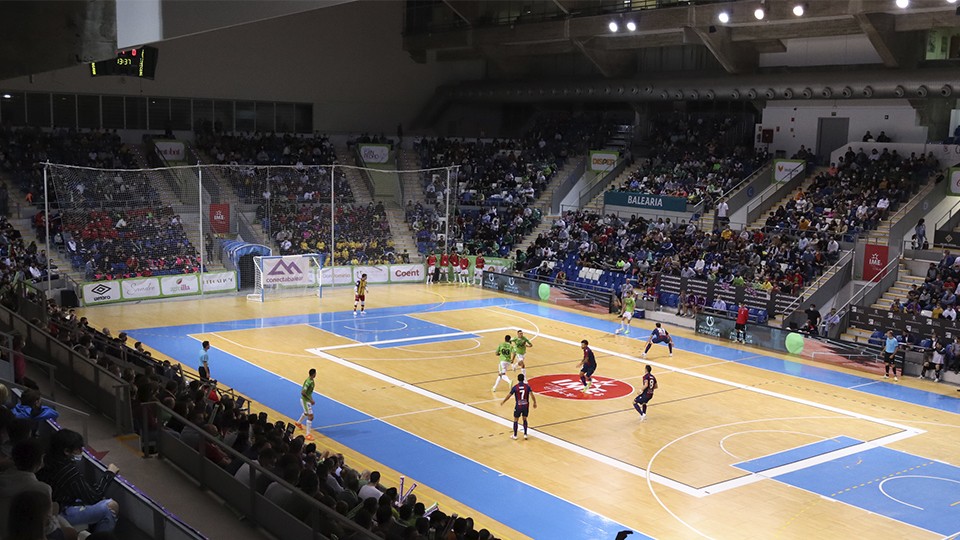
(179, 285)
(785, 169)
(375, 153)
(289, 271)
(955, 180)
(644, 200)
(603, 160)
(756, 334)
(511, 284)
(219, 281)
(171, 150)
(874, 260)
(337, 275)
(220, 218)
(101, 292)
(407, 273)
(135, 289)
(918, 325)
(375, 274)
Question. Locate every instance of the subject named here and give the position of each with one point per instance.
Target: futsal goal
(284, 276)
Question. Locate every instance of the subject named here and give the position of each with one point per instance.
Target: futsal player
(478, 265)
(587, 365)
(890, 348)
(504, 351)
(360, 295)
(626, 316)
(659, 335)
(431, 267)
(743, 315)
(455, 266)
(306, 401)
(464, 270)
(523, 394)
(444, 267)
(646, 393)
(520, 344)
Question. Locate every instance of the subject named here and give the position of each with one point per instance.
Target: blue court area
(376, 330)
(901, 486)
(794, 455)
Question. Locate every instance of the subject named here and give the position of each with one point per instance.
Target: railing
(84, 416)
(888, 275)
(567, 184)
(949, 216)
(246, 499)
(750, 178)
(596, 186)
(827, 274)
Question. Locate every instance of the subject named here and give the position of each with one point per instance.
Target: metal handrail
(862, 293)
(761, 197)
(950, 213)
(748, 179)
(793, 306)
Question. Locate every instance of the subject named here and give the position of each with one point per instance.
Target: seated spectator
(27, 459)
(30, 408)
(81, 503)
(895, 306)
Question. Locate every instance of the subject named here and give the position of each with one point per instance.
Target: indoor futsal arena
(475, 270)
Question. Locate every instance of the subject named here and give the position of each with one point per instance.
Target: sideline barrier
(761, 335)
(145, 288)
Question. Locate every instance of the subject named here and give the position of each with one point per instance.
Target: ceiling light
(759, 13)
(798, 10)
(613, 26)
(902, 4)
(723, 17)
(632, 26)
(7, 96)
(951, 1)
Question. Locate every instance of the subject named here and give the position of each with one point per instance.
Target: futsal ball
(794, 343)
(617, 331)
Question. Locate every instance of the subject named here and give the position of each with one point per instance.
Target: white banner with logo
(101, 292)
(289, 270)
(171, 150)
(337, 275)
(407, 273)
(955, 180)
(603, 160)
(219, 281)
(375, 274)
(179, 285)
(375, 153)
(135, 289)
(785, 170)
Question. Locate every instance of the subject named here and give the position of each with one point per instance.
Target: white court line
(626, 467)
(861, 385)
(408, 339)
(906, 431)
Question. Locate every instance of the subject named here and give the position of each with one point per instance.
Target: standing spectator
(921, 232)
(813, 316)
(80, 502)
(722, 209)
(204, 369)
(831, 321)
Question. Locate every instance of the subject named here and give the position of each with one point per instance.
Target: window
(246, 116)
(136, 112)
(112, 107)
(303, 123)
(65, 110)
(286, 115)
(159, 113)
(88, 112)
(180, 114)
(223, 115)
(38, 110)
(13, 109)
(203, 115)
(265, 119)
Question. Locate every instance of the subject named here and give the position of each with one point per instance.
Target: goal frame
(263, 291)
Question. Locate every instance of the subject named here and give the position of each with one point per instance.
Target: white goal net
(284, 276)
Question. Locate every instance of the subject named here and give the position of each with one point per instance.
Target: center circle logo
(569, 387)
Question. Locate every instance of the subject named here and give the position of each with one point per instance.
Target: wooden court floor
(728, 450)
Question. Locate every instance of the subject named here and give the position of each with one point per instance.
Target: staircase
(358, 185)
(412, 184)
(58, 260)
(881, 235)
(596, 204)
(898, 291)
(400, 230)
(760, 222)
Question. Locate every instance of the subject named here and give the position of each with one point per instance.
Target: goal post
(285, 276)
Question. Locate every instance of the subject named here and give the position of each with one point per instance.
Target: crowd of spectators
(362, 232)
(937, 296)
(693, 158)
(496, 182)
(20, 262)
(304, 177)
(122, 243)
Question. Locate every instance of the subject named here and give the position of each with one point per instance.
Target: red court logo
(570, 387)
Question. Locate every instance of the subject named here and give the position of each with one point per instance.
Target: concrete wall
(347, 60)
(795, 123)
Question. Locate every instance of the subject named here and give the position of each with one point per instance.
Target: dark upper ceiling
(510, 32)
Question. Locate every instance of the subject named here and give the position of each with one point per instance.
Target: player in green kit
(626, 316)
(505, 352)
(520, 344)
(306, 400)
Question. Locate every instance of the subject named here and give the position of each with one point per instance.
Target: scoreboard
(140, 62)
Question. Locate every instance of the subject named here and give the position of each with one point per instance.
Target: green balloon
(794, 343)
(544, 291)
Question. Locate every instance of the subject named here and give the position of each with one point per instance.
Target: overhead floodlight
(951, 1)
(723, 17)
(799, 9)
(631, 26)
(903, 4)
(759, 13)
(613, 26)
(7, 96)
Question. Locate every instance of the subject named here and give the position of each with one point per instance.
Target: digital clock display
(140, 62)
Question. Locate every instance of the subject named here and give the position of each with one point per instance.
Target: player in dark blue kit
(587, 365)
(659, 335)
(523, 395)
(646, 393)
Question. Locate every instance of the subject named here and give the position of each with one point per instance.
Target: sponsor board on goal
(288, 271)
